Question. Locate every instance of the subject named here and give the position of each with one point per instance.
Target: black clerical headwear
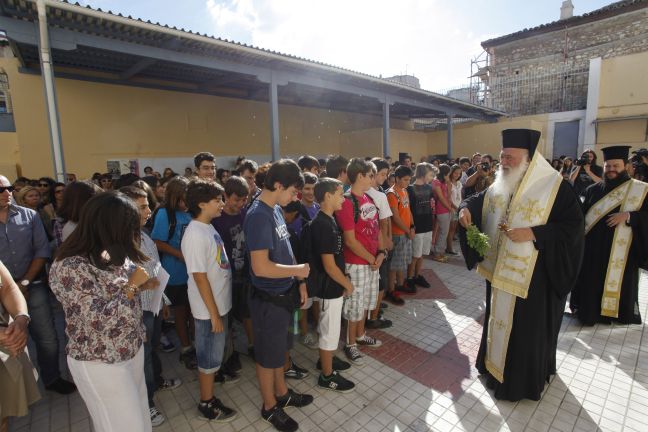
(521, 138)
(616, 152)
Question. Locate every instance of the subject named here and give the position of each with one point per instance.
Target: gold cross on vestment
(618, 263)
(499, 324)
(633, 200)
(530, 210)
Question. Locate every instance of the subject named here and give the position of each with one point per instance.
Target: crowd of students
(324, 242)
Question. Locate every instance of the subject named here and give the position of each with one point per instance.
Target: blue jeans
(152, 364)
(43, 331)
(210, 346)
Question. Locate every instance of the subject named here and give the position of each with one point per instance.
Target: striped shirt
(152, 267)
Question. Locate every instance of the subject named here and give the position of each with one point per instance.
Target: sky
(433, 40)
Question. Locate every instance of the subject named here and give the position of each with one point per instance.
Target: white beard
(506, 183)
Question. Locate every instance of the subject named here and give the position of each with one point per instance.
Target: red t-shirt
(366, 229)
(443, 187)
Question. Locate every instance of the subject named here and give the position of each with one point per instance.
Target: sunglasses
(7, 188)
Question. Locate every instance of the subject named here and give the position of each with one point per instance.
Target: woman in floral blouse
(97, 280)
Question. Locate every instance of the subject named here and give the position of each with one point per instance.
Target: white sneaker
(310, 341)
(156, 417)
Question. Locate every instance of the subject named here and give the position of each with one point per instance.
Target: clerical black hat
(521, 138)
(616, 152)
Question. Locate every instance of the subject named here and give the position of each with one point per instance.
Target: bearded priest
(535, 227)
(616, 238)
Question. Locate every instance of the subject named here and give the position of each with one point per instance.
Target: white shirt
(152, 267)
(455, 194)
(380, 199)
(68, 228)
(204, 252)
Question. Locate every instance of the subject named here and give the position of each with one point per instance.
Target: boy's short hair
(260, 175)
(335, 165)
(201, 191)
(358, 166)
(310, 178)
(307, 163)
(236, 185)
(403, 171)
(423, 168)
(133, 192)
(201, 157)
(248, 165)
(380, 163)
(285, 172)
(324, 186)
(463, 160)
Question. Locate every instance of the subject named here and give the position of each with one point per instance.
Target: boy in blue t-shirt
(272, 273)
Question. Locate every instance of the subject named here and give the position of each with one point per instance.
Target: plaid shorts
(402, 253)
(365, 292)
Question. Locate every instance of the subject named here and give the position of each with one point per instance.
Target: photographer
(640, 164)
(480, 176)
(585, 172)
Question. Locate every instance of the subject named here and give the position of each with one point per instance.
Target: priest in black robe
(616, 242)
(530, 353)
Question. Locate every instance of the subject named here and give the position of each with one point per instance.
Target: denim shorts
(209, 346)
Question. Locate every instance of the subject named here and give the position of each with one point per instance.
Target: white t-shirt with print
(204, 252)
(380, 199)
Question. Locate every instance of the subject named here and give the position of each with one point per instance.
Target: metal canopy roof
(101, 46)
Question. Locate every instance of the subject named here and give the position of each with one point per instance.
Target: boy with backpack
(363, 255)
(210, 291)
(322, 246)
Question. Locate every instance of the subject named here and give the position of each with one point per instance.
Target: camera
(485, 166)
(582, 161)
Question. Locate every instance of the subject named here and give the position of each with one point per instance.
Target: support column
(450, 135)
(47, 73)
(274, 119)
(386, 142)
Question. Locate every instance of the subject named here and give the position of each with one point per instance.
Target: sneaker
(278, 418)
(421, 281)
(61, 386)
(379, 323)
(406, 289)
(294, 399)
(383, 305)
(166, 345)
(368, 341)
(233, 363)
(338, 364)
(226, 377)
(440, 258)
(296, 372)
(394, 298)
(335, 382)
(156, 417)
(453, 253)
(188, 358)
(353, 354)
(170, 384)
(215, 411)
(310, 341)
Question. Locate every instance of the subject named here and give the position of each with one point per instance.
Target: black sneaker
(295, 372)
(215, 411)
(251, 352)
(335, 382)
(353, 354)
(278, 418)
(189, 359)
(394, 298)
(406, 289)
(233, 363)
(453, 253)
(379, 323)
(383, 305)
(226, 377)
(421, 281)
(338, 364)
(61, 386)
(294, 399)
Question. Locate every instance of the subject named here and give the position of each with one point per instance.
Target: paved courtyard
(423, 378)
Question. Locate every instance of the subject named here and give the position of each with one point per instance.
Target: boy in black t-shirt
(330, 282)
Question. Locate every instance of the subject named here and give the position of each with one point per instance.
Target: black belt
(286, 300)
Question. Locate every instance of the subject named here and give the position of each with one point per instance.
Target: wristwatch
(24, 283)
(23, 315)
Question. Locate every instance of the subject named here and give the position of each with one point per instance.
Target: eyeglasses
(7, 188)
(59, 190)
(43, 185)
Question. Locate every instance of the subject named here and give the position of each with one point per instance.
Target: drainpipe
(47, 74)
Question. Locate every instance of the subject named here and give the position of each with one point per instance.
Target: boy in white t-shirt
(209, 290)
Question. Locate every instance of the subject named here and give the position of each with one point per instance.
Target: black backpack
(356, 205)
(318, 283)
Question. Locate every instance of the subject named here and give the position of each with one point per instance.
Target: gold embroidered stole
(629, 196)
(509, 266)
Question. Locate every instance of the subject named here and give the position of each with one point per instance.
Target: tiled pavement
(423, 378)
